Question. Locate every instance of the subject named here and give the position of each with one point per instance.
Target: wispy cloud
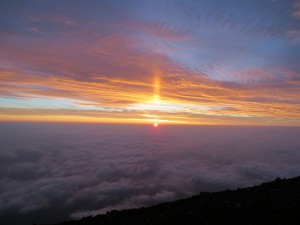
(296, 12)
(235, 61)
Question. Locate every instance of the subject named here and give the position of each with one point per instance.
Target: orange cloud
(108, 72)
(191, 99)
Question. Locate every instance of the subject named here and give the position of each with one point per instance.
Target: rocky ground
(276, 202)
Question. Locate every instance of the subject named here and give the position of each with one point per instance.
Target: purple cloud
(76, 170)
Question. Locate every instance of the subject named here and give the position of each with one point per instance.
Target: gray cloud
(60, 171)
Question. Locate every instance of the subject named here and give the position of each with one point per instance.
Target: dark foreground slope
(276, 202)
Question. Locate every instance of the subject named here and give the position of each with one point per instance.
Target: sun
(155, 124)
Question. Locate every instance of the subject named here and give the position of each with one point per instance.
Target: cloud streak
(113, 57)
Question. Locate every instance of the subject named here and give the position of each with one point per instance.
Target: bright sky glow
(136, 61)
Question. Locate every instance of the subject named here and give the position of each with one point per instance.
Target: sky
(230, 62)
(90, 77)
(52, 172)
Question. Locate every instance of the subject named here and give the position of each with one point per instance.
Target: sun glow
(156, 99)
(155, 124)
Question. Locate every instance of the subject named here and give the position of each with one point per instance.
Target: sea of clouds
(54, 172)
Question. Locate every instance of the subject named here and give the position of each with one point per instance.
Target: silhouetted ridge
(276, 202)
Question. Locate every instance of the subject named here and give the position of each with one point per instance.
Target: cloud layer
(239, 59)
(57, 171)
